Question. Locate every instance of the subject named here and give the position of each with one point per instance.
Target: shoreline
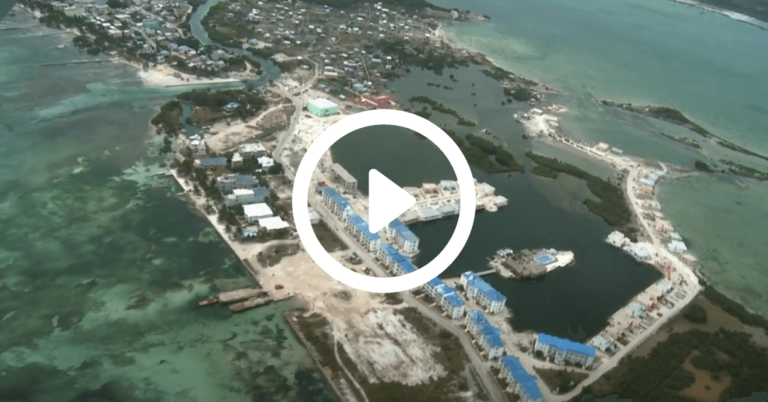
(166, 77)
(728, 13)
(161, 76)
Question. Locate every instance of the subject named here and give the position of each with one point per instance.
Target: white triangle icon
(386, 200)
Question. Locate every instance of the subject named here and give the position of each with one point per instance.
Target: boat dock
(237, 295)
(439, 200)
(250, 303)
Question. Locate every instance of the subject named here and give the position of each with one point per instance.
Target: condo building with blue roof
(358, 228)
(483, 293)
(387, 254)
(431, 286)
(403, 237)
(520, 381)
(564, 350)
(336, 203)
(488, 336)
(453, 306)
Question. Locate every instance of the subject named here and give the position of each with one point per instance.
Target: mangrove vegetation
(439, 107)
(612, 206)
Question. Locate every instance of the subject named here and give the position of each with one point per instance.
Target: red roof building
(375, 102)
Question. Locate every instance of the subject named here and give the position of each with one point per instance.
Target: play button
(387, 201)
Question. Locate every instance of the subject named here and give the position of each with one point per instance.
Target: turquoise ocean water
(102, 264)
(657, 52)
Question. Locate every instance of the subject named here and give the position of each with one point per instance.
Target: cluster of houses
(251, 151)
(155, 32)
(294, 28)
(243, 189)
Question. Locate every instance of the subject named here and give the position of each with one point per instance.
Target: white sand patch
(163, 76)
(225, 137)
(386, 348)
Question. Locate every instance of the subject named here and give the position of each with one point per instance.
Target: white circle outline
(466, 210)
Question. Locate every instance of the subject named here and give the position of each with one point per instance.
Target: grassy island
(486, 155)
(439, 107)
(683, 140)
(612, 206)
(702, 166)
(745, 171)
(519, 94)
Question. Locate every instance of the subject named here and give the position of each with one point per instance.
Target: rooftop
(435, 282)
(339, 170)
(444, 290)
(335, 196)
(273, 223)
(403, 230)
(407, 266)
(322, 103)
(567, 345)
(362, 226)
(388, 249)
(252, 148)
(260, 209)
(483, 287)
(522, 377)
(454, 300)
(493, 338)
(218, 161)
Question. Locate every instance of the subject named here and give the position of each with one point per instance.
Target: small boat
(207, 301)
(60, 46)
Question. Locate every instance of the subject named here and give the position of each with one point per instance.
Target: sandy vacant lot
(382, 344)
(225, 137)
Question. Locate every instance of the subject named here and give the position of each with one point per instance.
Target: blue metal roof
(403, 230)
(435, 282)
(493, 339)
(454, 300)
(478, 318)
(335, 196)
(245, 180)
(362, 225)
(388, 249)
(219, 161)
(397, 258)
(566, 345)
(522, 377)
(406, 266)
(483, 286)
(444, 290)
(260, 191)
